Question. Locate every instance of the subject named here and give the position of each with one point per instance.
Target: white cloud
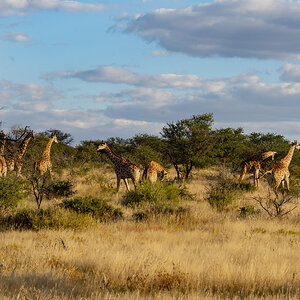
(290, 72)
(22, 7)
(19, 37)
(160, 53)
(151, 101)
(121, 75)
(82, 124)
(229, 28)
(27, 96)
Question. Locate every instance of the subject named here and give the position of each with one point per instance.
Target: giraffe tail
(263, 174)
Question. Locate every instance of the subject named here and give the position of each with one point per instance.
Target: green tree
(230, 145)
(189, 143)
(146, 148)
(62, 137)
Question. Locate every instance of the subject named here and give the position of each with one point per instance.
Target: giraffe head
(31, 134)
(273, 154)
(164, 175)
(54, 138)
(296, 144)
(102, 146)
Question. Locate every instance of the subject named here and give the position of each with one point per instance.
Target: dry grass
(206, 255)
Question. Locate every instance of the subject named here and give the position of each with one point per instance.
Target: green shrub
(59, 189)
(245, 186)
(154, 199)
(225, 191)
(294, 186)
(12, 191)
(97, 208)
(222, 194)
(51, 218)
(147, 193)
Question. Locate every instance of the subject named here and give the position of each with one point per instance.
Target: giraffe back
(125, 169)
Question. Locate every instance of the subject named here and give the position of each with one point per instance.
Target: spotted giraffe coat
(123, 168)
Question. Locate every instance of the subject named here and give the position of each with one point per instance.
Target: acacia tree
(230, 146)
(188, 143)
(62, 137)
(146, 148)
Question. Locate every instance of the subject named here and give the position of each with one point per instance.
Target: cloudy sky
(98, 69)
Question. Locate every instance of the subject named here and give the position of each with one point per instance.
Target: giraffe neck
(46, 153)
(23, 146)
(266, 155)
(2, 143)
(288, 158)
(115, 158)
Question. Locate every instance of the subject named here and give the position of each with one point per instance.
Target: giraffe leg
(275, 188)
(255, 174)
(287, 180)
(134, 182)
(282, 185)
(50, 172)
(118, 183)
(18, 170)
(243, 174)
(127, 185)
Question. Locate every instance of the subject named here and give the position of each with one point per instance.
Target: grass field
(205, 254)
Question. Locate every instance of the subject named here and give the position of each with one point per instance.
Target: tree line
(185, 144)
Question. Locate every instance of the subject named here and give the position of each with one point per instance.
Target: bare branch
(259, 200)
(15, 140)
(289, 210)
(275, 207)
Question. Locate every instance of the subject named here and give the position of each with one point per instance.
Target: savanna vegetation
(200, 234)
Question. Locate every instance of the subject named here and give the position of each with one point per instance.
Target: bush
(244, 186)
(97, 208)
(221, 197)
(11, 192)
(294, 186)
(154, 199)
(148, 193)
(222, 194)
(51, 218)
(59, 189)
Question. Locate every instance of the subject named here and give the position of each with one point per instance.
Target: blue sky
(98, 69)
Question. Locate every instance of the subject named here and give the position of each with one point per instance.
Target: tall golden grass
(204, 255)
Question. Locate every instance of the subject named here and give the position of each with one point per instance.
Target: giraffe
(14, 161)
(123, 168)
(280, 173)
(3, 166)
(152, 170)
(44, 163)
(254, 162)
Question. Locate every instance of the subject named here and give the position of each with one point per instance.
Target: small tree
(62, 137)
(11, 192)
(277, 207)
(189, 142)
(39, 187)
